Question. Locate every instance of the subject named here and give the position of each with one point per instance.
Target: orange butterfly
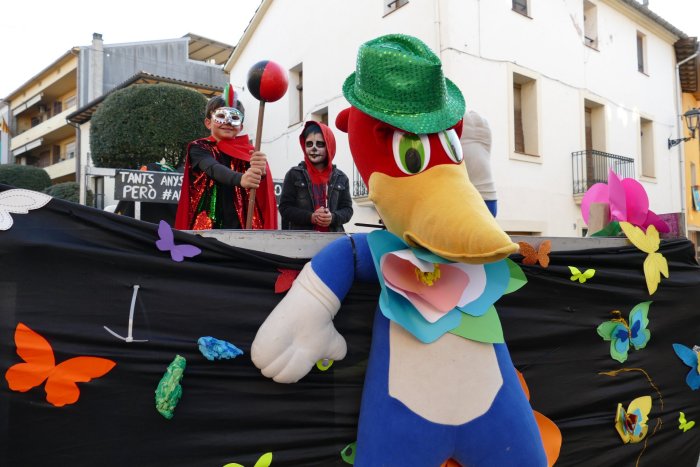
(61, 379)
(532, 256)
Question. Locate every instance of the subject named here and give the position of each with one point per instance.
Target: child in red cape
(219, 171)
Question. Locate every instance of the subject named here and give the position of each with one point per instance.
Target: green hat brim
(451, 112)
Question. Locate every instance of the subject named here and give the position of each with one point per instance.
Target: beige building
(37, 119)
(48, 116)
(687, 139)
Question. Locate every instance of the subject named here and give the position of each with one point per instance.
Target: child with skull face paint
(219, 171)
(315, 193)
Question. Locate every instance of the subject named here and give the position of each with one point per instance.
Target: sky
(40, 31)
(34, 33)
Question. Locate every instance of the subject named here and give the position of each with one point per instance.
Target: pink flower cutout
(628, 202)
(434, 289)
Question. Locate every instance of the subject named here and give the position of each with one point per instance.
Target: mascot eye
(450, 143)
(411, 152)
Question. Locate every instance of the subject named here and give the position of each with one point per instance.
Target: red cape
(238, 148)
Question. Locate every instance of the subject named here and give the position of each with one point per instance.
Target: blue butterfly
(621, 334)
(166, 242)
(690, 358)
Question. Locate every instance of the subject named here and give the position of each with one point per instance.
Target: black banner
(70, 272)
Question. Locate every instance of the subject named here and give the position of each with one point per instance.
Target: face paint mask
(228, 115)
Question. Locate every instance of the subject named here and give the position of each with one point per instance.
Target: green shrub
(69, 191)
(146, 123)
(24, 176)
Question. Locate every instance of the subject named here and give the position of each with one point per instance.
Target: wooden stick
(258, 142)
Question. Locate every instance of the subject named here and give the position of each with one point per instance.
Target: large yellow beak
(440, 210)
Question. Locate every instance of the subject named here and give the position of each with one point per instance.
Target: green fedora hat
(399, 81)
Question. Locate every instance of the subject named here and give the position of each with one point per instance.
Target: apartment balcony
(55, 128)
(590, 167)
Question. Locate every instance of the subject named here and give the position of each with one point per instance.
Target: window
(296, 94)
(70, 102)
(641, 53)
(595, 125)
(321, 115)
(590, 24)
(693, 176)
(57, 108)
(525, 115)
(647, 147)
(391, 6)
(520, 6)
(70, 150)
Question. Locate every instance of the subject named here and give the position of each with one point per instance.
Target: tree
(146, 123)
(24, 176)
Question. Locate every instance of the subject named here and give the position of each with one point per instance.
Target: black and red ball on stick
(267, 82)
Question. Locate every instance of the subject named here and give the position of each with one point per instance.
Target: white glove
(476, 147)
(299, 331)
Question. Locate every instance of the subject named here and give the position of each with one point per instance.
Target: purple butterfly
(167, 243)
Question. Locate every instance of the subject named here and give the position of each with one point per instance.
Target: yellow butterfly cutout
(684, 424)
(264, 461)
(655, 265)
(577, 275)
(631, 424)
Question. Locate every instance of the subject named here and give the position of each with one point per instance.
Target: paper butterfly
(655, 264)
(683, 424)
(532, 256)
(577, 275)
(690, 358)
(19, 201)
(285, 279)
(40, 365)
(167, 243)
(631, 424)
(621, 334)
(264, 461)
(348, 453)
(324, 364)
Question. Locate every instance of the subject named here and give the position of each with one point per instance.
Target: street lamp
(691, 119)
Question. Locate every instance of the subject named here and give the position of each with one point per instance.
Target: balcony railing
(359, 189)
(590, 167)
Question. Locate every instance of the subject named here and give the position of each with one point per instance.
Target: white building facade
(569, 88)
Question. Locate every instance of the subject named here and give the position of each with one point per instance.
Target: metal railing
(590, 167)
(359, 189)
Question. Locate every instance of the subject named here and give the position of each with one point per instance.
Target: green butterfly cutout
(623, 334)
(264, 461)
(684, 424)
(348, 453)
(577, 275)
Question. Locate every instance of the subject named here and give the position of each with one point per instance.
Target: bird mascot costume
(440, 387)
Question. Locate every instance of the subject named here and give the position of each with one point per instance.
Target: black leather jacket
(296, 205)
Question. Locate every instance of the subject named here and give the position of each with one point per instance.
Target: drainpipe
(78, 155)
(681, 147)
(438, 30)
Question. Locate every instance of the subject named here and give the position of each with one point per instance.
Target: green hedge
(69, 191)
(24, 176)
(146, 123)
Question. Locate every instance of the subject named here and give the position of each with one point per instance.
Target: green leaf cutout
(517, 277)
(484, 328)
(611, 230)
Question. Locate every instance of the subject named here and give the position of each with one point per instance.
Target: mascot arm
(299, 331)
